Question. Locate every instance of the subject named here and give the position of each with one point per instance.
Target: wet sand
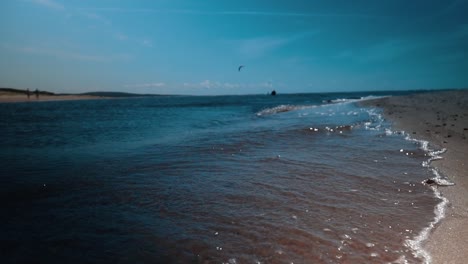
(442, 119)
(6, 97)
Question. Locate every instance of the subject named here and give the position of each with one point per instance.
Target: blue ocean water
(302, 178)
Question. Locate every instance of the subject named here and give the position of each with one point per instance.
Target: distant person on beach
(28, 93)
(37, 93)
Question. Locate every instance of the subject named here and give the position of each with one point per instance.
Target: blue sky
(195, 47)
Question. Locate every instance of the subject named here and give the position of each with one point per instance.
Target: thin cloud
(385, 51)
(202, 84)
(388, 50)
(120, 36)
(147, 43)
(296, 14)
(259, 46)
(94, 16)
(49, 4)
(442, 44)
(233, 12)
(209, 84)
(145, 85)
(256, 47)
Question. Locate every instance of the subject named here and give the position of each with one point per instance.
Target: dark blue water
(228, 179)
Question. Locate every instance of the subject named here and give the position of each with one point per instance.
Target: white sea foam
(287, 108)
(415, 244)
(283, 108)
(339, 100)
(376, 120)
(352, 100)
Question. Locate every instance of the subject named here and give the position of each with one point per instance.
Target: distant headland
(32, 95)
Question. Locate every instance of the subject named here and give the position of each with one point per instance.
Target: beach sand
(13, 97)
(442, 119)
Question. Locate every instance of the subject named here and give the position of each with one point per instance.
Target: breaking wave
(282, 109)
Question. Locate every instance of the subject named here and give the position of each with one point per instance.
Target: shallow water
(226, 179)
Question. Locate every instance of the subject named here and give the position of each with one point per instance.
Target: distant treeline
(11, 90)
(101, 94)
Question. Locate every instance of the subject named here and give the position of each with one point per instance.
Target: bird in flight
(240, 67)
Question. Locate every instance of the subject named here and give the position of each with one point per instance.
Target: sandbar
(11, 97)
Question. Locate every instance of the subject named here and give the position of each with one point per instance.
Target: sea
(291, 178)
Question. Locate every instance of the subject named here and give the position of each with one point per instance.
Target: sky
(196, 47)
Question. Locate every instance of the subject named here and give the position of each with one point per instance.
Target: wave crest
(281, 109)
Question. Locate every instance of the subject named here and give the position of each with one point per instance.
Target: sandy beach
(13, 97)
(442, 119)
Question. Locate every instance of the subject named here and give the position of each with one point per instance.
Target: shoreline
(441, 118)
(21, 98)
